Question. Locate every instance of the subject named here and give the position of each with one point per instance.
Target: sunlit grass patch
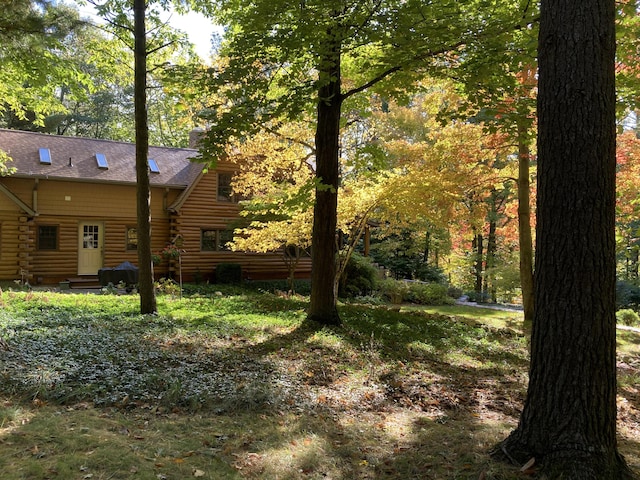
(494, 317)
(628, 343)
(240, 385)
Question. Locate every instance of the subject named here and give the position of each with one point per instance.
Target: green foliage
(109, 354)
(359, 277)
(399, 291)
(228, 273)
(429, 294)
(430, 273)
(395, 291)
(505, 279)
(627, 317)
(627, 296)
(403, 254)
(627, 29)
(241, 373)
(109, 289)
(272, 51)
(479, 297)
(168, 286)
(35, 69)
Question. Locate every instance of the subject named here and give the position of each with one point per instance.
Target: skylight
(102, 161)
(153, 166)
(45, 156)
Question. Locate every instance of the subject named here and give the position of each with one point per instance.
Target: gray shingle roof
(176, 168)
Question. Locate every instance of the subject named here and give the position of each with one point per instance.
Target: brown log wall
(202, 210)
(15, 248)
(67, 204)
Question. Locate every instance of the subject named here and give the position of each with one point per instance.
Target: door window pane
(90, 236)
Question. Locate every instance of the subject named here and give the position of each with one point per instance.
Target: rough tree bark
(569, 419)
(324, 251)
(143, 191)
(524, 227)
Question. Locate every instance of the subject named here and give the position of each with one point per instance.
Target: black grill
(126, 273)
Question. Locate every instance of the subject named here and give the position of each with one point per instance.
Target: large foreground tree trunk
(143, 192)
(324, 248)
(569, 419)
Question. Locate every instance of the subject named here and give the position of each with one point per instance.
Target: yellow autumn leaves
(427, 172)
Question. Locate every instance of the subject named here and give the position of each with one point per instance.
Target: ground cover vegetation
(235, 383)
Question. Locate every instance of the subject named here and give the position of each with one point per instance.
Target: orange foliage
(628, 176)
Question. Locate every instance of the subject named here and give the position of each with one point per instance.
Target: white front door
(90, 238)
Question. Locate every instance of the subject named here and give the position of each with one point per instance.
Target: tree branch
(430, 54)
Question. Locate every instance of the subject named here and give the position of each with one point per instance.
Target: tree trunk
(492, 247)
(524, 226)
(478, 242)
(569, 419)
(143, 192)
(633, 252)
(324, 251)
(427, 248)
(291, 256)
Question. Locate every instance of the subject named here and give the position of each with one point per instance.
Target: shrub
(454, 292)
(168, 286)
(395, 291)
(398, 291)
(627, 317)
(368, 300)
(359, 277)
(480, 297)
(228, 273)
(429, 294)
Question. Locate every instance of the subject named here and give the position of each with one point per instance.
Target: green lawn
(489, 316)
(238, 385)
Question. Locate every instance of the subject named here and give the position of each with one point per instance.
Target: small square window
(215, 240)
(47, 237)
(132, 238)
(208, 240)
(225, 192)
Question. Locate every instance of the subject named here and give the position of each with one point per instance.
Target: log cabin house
(69, 209)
